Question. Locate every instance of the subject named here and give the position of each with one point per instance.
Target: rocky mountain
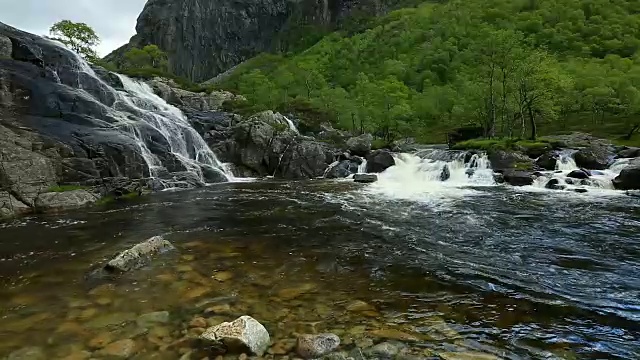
(206, 37)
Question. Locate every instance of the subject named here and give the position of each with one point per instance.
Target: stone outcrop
(171, 93)
(360, 145)
(206, 37)
(518, 177)
(266, 145)
(629, 177)
(58, 201)
(243, 335)
(379, 161)
(139, 255)
(365, 178)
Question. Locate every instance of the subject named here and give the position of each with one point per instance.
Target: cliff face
(206, 37)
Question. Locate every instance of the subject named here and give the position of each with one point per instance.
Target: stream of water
(456, 267)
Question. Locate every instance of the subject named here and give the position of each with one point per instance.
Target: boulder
(579, 174)
(139, 255)
(171, 93)
(365, 178)
(445, 174)
(501, 160)
(595, 157)
(547, 161)
(580, 190)
(629, 178)
(518, 177)
(629, 152)
(315, 346)
(55, 201)
(338, 170)
(360, 145)
(554, 184)
(379, 160)
(243, 335)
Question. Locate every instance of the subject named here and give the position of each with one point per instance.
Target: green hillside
(514, 67)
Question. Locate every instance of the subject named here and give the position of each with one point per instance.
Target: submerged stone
(123, 349)
(314, 346)
(28, 353)
(393, 334)
(158, 317)
(242, 335)
(139, 255)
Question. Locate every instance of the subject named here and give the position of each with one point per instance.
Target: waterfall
(362, 168)
(169, 145)
(292, 126)
(184, 142)
(565, 161)
(559, 179)
(434, 174)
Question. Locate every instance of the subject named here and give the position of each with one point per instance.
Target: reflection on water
(498, 272)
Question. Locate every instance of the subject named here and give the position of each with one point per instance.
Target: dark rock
(498, 178)
(630, 152)
(569, 181)
(379, 160)
(315, 346)
(518, 177)
(445, 174)
(339, 170)
(365, 178)
(469, 172)
(554, 184)
(502, 160)
(629, 178)
(580, 190)
(139, 255)
(579, 174)
(547, 161)
(360, 145)
(597, 158)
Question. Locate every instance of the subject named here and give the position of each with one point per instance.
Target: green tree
(149, 56)
(79, 37)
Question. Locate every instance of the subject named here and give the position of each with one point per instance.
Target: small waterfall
(292, 126)
(434, 174)
(559, 179)
(565, 161)
(362, 168)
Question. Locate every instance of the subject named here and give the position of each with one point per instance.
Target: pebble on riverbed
(244, 333)
(314, 346)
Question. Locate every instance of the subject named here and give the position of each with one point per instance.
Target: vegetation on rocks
(79, 37)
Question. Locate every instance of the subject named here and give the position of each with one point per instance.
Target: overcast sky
(113, 20)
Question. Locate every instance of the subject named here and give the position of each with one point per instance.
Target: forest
(518, 69)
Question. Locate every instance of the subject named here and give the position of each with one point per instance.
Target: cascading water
(433, 174)
(166, 140)
(565, 165)
(292, 126)
(362, 168)
(184, 142)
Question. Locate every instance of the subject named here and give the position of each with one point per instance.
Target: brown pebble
(198, 322)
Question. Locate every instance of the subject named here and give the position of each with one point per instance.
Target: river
(495, 270)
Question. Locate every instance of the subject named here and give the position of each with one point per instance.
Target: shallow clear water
(513, 273)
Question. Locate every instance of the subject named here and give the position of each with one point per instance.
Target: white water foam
(417, 178)
(362, 168)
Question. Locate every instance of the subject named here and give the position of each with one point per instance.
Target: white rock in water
(243, 333)
(64, 200)
(139, 255)
(315, 346)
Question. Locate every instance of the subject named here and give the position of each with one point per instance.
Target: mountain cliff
(205, 37)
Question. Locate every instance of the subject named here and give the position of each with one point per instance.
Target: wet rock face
(629, 177)
(517, 177)
(596, 157)
(379, 160)
(264, 144)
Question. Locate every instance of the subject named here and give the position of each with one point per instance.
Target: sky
(113, 20)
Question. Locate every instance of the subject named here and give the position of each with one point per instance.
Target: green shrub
(378, 144)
